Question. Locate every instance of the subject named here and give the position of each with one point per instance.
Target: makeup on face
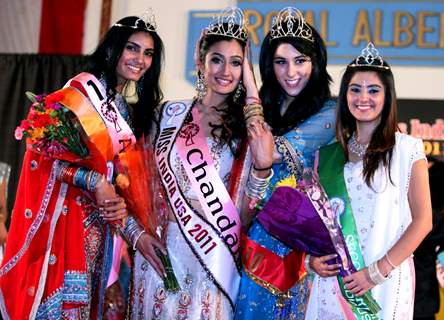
(222, 68)
(292, 69)
(136, 58)
(366, 96)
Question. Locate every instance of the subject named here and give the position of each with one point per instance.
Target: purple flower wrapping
(290, 216)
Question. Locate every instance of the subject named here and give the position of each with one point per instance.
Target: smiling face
(365, 97)
(222, 68)
(136, 58)
(292, 69)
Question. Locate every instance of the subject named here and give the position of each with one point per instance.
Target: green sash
(331, 176)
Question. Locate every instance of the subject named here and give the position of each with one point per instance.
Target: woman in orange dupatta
(59, 247)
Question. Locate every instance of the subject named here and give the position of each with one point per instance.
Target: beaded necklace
(357, 148)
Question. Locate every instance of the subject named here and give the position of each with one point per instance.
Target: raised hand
(248, 78)
(261, 142)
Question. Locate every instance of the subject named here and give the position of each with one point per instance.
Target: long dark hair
(104, 62)
(232, 128)
(383, 139)
(310, 100)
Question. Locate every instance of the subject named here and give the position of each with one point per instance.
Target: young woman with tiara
(199, 154)
(296, 98)
(59, 247)
(381, 177)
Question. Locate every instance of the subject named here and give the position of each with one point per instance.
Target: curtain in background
(20, 73)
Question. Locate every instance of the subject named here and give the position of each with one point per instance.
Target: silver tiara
(369, 57)
(147, 21)
(290, 22)
(230, 23)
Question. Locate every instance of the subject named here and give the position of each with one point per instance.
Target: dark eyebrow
(138, 46)
(371, 85)
(297, 57)
(134, 43)
(223, 57)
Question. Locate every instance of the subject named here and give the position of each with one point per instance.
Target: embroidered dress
(59, 249)
(198, 297)
(297, 148)
(381, 215)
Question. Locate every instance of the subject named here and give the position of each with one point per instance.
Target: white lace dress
(381, 216)
(198, 298)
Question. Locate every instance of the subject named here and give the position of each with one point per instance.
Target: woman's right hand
(322, 268)
(147, 245)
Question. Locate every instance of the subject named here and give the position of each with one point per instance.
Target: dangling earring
(238, 92)
(201, 86)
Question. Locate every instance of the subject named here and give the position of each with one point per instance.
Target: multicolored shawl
(47, 270)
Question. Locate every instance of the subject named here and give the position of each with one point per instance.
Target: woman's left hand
(114, 209)
(359, 282)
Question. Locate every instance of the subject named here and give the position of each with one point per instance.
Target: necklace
(356, 147)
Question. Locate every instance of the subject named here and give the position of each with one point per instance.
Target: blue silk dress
(297, 148)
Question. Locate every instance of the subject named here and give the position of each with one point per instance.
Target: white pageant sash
(119, 131)
(219, 209)
(215, 242)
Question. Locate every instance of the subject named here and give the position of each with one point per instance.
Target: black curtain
(20, 73)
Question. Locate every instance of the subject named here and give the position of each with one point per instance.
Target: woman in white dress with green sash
(386, 186)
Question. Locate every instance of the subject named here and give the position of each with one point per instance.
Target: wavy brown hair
(233, 124)
(381, 144)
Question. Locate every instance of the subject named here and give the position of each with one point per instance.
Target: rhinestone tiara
(290, 22)
(230, 23)
(369, 57)
(147, 21)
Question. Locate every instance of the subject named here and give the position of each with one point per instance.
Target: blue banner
(405, 32)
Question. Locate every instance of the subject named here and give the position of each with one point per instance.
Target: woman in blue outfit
(297, 105)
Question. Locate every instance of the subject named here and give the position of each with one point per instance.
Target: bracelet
(375, 274)
(389, 261)
(253, 100)
(257, 187)
(262, 169)
(307, 264)
(131, 229)
(137, 239)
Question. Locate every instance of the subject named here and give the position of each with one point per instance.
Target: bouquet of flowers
(51, 128)
(138, 182)
(301, 217)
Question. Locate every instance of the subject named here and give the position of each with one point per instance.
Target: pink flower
(18, 133)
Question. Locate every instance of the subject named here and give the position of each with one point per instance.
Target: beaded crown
(230, 23)
(369, 57)
(290, 22)
(147, 21)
